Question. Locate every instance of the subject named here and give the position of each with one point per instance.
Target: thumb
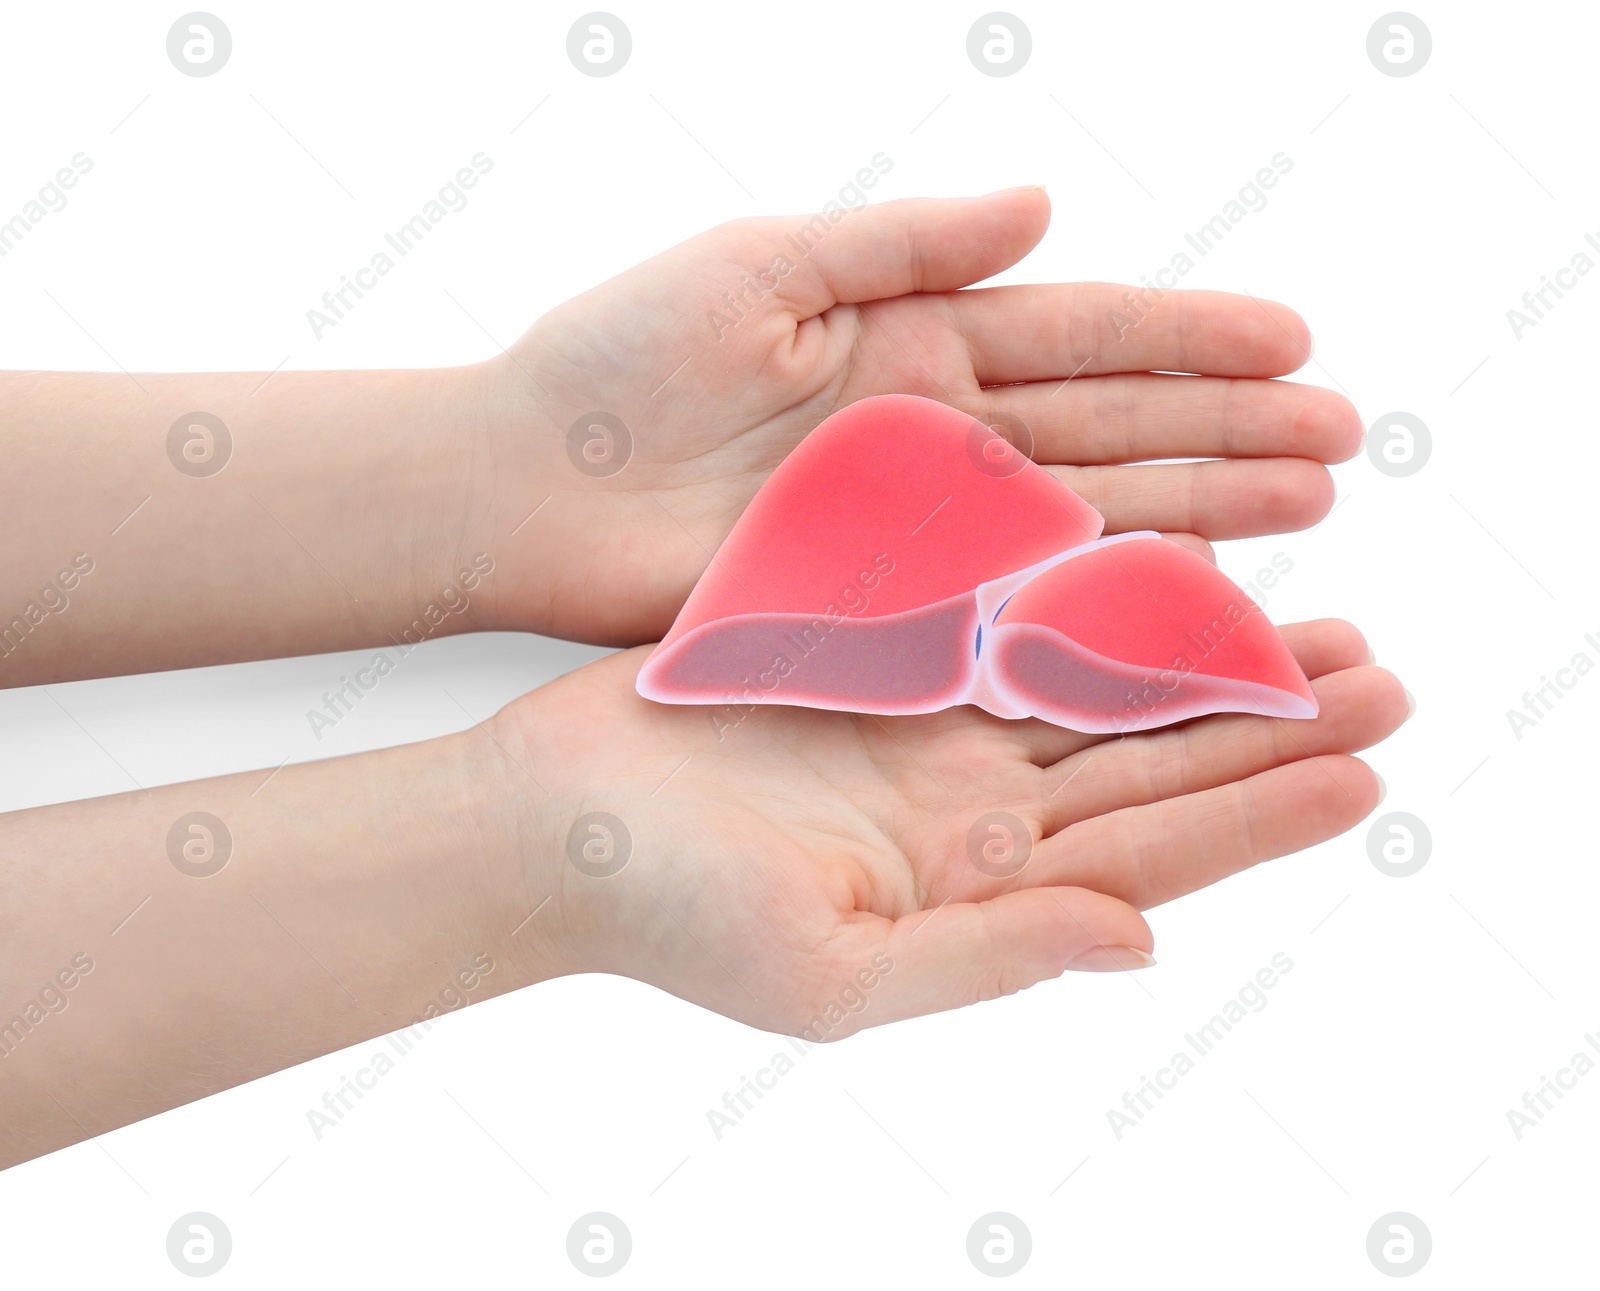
(913, 244)
(957, 955)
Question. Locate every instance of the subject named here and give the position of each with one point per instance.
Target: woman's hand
(718, 356)
(803, 871)
(759, 861)
(208, 518)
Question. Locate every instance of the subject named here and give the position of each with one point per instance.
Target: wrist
(569, 791)
(438, 440)
(518, 499)
(502, 805)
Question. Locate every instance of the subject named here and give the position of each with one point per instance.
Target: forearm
(354, 897)
(303, 512)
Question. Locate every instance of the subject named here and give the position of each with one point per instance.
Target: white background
(1418, 1010)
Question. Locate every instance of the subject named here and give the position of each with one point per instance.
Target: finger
(1132, 417)
(1052, 331)
(959, 954)
(911, 245)
(1150, 854)
(1195, 543)
(1319, 647)
(1322, 646)
(1230, 499)
(1359, 707)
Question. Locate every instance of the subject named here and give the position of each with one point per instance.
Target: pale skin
(770, 864)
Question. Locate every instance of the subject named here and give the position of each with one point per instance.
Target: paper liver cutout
(905, 558)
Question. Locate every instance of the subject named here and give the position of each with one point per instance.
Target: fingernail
(1111, 959)
(1312, 352)
(1019, 188)
(1383, 789)
(1411, 704)
(1372, 655)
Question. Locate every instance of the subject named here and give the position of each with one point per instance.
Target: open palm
(765, 866)
(717, 364)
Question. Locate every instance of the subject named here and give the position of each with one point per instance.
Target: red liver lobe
(1142, 633)
(890, 513)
